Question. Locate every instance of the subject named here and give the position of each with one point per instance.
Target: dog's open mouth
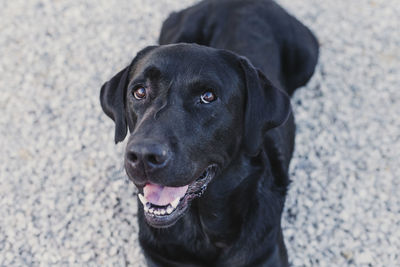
(164, 205)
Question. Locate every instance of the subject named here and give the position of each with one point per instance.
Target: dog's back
(275, 42)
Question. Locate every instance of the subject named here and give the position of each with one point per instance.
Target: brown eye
(139, 93)
(208, 97)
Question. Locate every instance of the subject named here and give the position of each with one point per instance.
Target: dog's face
(182, 106)
(189, 109)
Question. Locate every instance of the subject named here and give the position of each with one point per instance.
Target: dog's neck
(223, 216)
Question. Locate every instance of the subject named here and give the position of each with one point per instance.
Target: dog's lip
(166, 215)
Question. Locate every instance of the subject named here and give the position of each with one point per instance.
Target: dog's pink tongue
(163, 195)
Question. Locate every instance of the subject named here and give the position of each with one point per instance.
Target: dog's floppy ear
(267, 107)
(112, 97)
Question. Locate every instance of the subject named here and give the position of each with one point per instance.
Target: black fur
(252, 55)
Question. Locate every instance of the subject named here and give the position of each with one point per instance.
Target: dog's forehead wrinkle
(163, 104)
(172, 102)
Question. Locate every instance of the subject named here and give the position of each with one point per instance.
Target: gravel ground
(64, 198)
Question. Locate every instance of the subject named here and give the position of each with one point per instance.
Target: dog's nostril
(132, 157)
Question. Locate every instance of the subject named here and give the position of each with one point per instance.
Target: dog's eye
(208, 97)
(139, 93)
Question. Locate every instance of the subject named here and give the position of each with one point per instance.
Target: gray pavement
(64, 198)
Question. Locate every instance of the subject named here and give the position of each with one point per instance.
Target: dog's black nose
(149, 156)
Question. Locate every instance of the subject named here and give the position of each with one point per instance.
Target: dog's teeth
(142, 199)
(175, 203)
(157, 212)
(162, 212)
(146, 208)
(169, 209)
(151, 210)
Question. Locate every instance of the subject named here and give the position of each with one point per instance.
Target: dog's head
(190, 110)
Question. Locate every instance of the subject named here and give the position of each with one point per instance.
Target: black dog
(212, 133)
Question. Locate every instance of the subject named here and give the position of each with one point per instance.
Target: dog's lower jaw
(166, 213)
(215, 223)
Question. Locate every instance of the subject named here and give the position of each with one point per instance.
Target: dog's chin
(167, 214)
